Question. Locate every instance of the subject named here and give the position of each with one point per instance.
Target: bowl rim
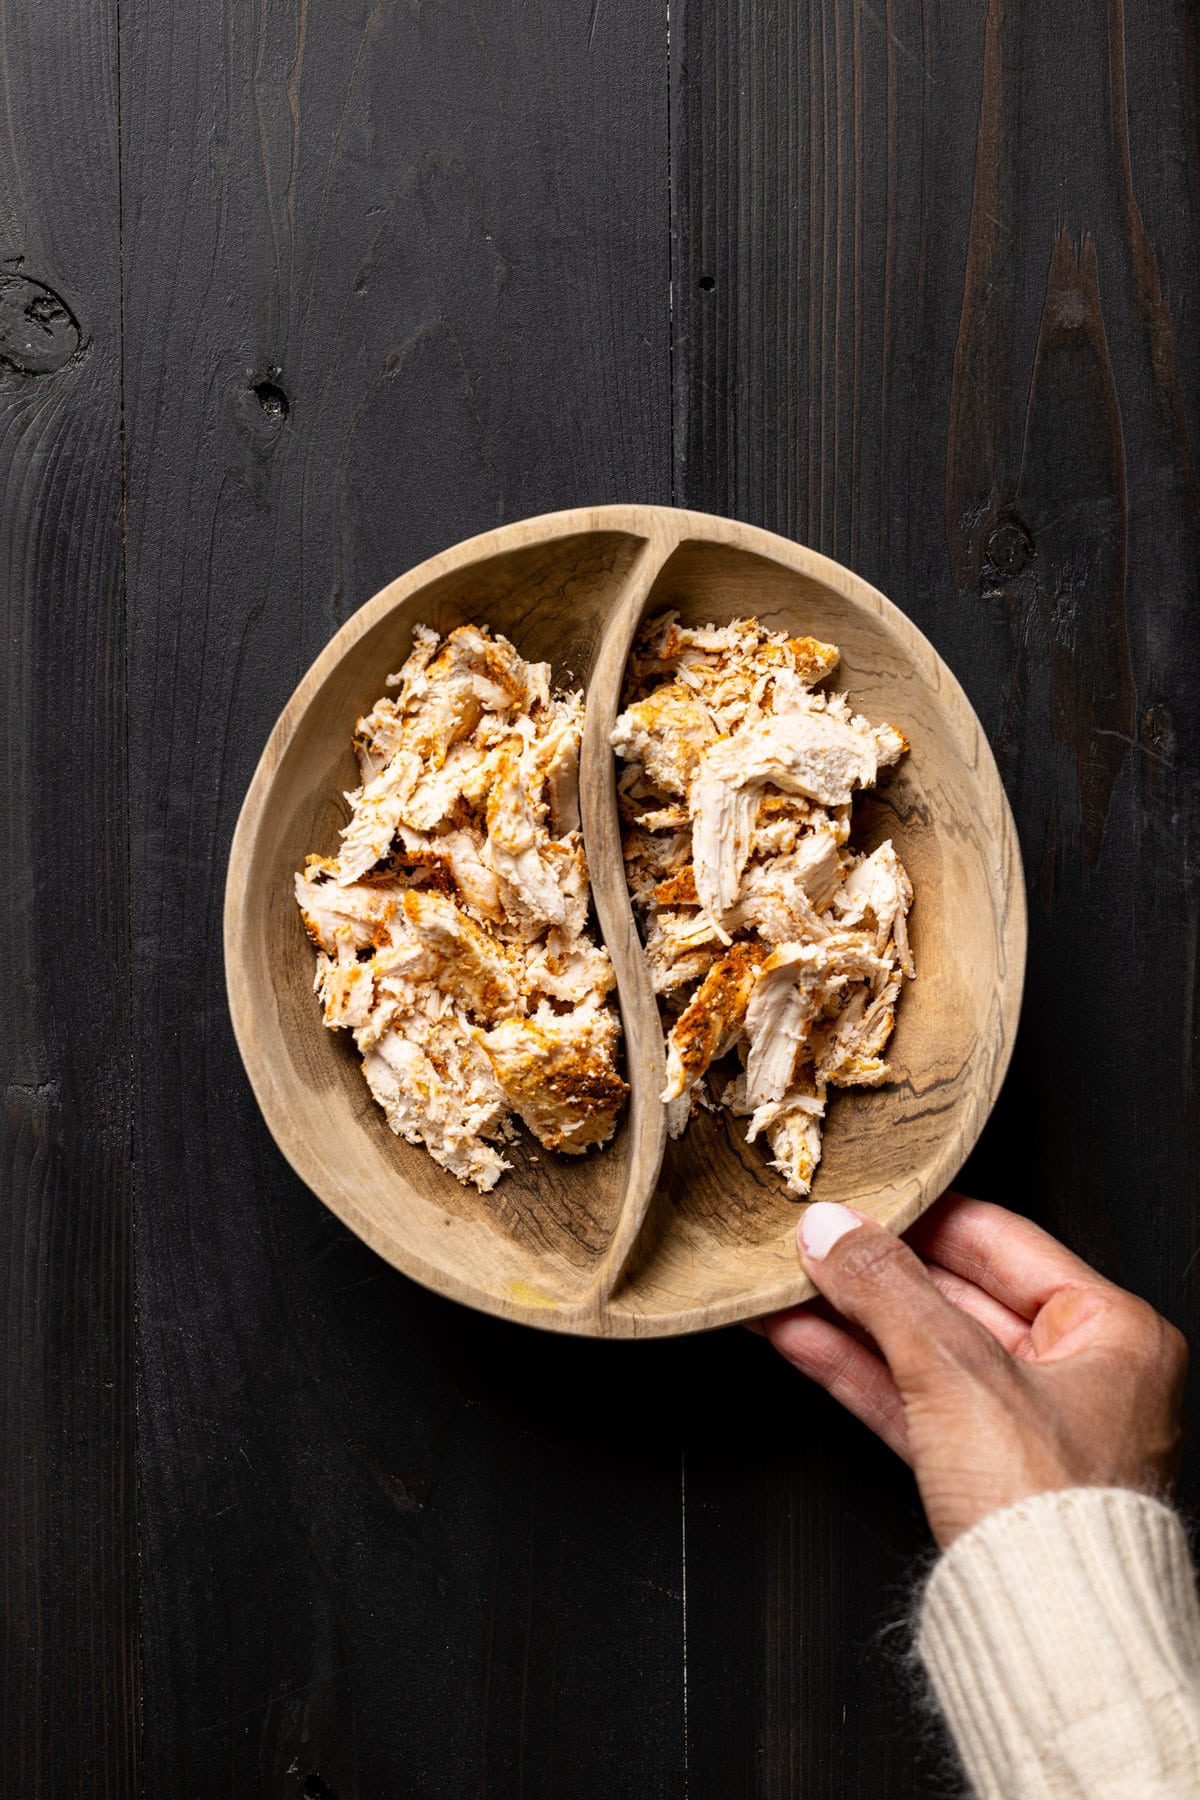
(667, 529)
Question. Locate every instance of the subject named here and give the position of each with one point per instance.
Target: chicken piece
(475, 881)
(805, 751)
(876, 896)
(520, 850)
(651, 857)
(446, 947)
(669, 975)
(478, 778)
(377, 738)
(442, 1095)
(633, 785)
(741, 691)
(380, 733)
(812, 659)
(682, 931)
(781, 897)
(665, 818)
(378, 810)
(666, 733)
(673, 960)
(566, 967)
(403, 1002)
(339, 916)
(793, 1128)
(576, 884)
(452, 862)
(693, 967)
(713, 1018)
(848, 1052)
(740, 654)
(792, 1125)
(780, 822)
(561, 765)
(432, 798)
(778, 1023)
(814, 866)
(411, 679)
(796, 982)
(347, 990)
(678, 889)
(890, 744)
(557, 1072)
(539, 702)
(472, 672)
(441, 702)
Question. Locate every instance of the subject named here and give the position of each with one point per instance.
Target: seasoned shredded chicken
(765, 932)
(452, 927)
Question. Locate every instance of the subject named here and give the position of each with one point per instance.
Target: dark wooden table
(293, 294)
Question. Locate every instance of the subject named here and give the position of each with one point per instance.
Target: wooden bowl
(647, 1237)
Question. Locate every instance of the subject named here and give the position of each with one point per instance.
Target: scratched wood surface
(331, 287)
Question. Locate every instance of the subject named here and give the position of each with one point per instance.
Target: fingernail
(821, 1226)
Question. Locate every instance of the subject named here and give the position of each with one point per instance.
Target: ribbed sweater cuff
(1062, 1637)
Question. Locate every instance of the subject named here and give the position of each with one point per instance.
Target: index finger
(1009, 1257)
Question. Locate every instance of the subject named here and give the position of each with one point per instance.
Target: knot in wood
(39, 333)
(1009, 547)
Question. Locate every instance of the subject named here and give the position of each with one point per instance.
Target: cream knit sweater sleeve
(1062, 1637)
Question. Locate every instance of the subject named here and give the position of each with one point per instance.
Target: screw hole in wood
(273, 400)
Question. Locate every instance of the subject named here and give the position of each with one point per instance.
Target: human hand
(999, 1366)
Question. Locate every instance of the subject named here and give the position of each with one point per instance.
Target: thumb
(877, 1282)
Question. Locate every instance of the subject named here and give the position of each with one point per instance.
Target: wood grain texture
(649, 1237)
(68, 1552)
(404, 277)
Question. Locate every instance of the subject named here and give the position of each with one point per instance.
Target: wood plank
(393, 274)
(973, 377)
(68, 1558)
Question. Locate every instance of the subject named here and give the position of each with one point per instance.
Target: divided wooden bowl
(647, 1237)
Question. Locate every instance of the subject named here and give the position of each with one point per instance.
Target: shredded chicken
(452, 927)
(766, 933)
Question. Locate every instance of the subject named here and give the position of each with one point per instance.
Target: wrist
(1057, 1626)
